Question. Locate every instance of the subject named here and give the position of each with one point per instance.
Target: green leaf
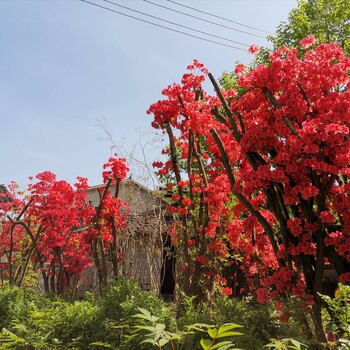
(146, 315)
(146, 328)
(297, 344)
(163, 341)
(213, 332)
(199, 326)
(11, 337)
(149, 340)
(205, 343)
(99, 343)
(219, 345)
(160, 327)
(227, 327)
(47, 335)
(228, 334)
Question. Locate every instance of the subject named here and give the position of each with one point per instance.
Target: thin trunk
(103, 261)
(317, 320)
(53, 273)
(114, 251)
(97, 261)
(10, 254)
(45, 279)
(186, 256)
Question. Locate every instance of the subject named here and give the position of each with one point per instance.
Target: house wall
(139, 198)
(141, 244)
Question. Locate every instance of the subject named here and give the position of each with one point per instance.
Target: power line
(204, 20)
(216, 16)
(164, 27)
(175, 24)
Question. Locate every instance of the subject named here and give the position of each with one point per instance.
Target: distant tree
(327, 20)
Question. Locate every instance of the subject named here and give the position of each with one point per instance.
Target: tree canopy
(326, 20)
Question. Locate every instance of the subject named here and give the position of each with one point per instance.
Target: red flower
(262, 295)
(226, 291)
(307, 42)
(186, 202)
(327, 217)
(253, 49)
(240, 68)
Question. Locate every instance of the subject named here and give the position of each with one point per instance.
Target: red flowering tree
(109, 218)
(278, 143)
(53, 229)
(198, 230)
(41, 228)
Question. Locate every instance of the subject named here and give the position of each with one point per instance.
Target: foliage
(285, 344)
(32, 320)
(327, 20)
(338, 316)
(121, 300)
(39, 322)
(150, 331)
(259, 323)
(147, 330)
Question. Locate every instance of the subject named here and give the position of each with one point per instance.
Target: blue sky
(67, 66)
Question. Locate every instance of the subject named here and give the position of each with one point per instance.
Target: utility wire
(164, 27)
(225, 19)
(204, 20)
(175, 24)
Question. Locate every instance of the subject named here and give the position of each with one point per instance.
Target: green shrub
(17, 302)
(32, 320)
(337, 317)
(11, 299)
(121, 300)
(260, 322)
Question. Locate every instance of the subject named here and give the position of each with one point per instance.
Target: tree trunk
(317, 320)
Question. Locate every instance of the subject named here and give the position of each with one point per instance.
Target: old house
(143, 243)
(4, 194)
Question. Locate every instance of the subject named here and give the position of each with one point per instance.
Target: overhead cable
(175, 24)
(161, 26)
(204, 20)
(216, 16)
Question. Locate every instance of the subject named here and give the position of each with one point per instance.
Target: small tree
(40, 229)
(52, 228)
(109, 218)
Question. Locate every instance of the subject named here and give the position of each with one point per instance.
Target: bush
(121, 300)
(15, 303)
(31, 320)
(260, 322)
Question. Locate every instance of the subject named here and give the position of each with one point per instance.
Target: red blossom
(307, 42)
(253, 49)
(226, 291)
